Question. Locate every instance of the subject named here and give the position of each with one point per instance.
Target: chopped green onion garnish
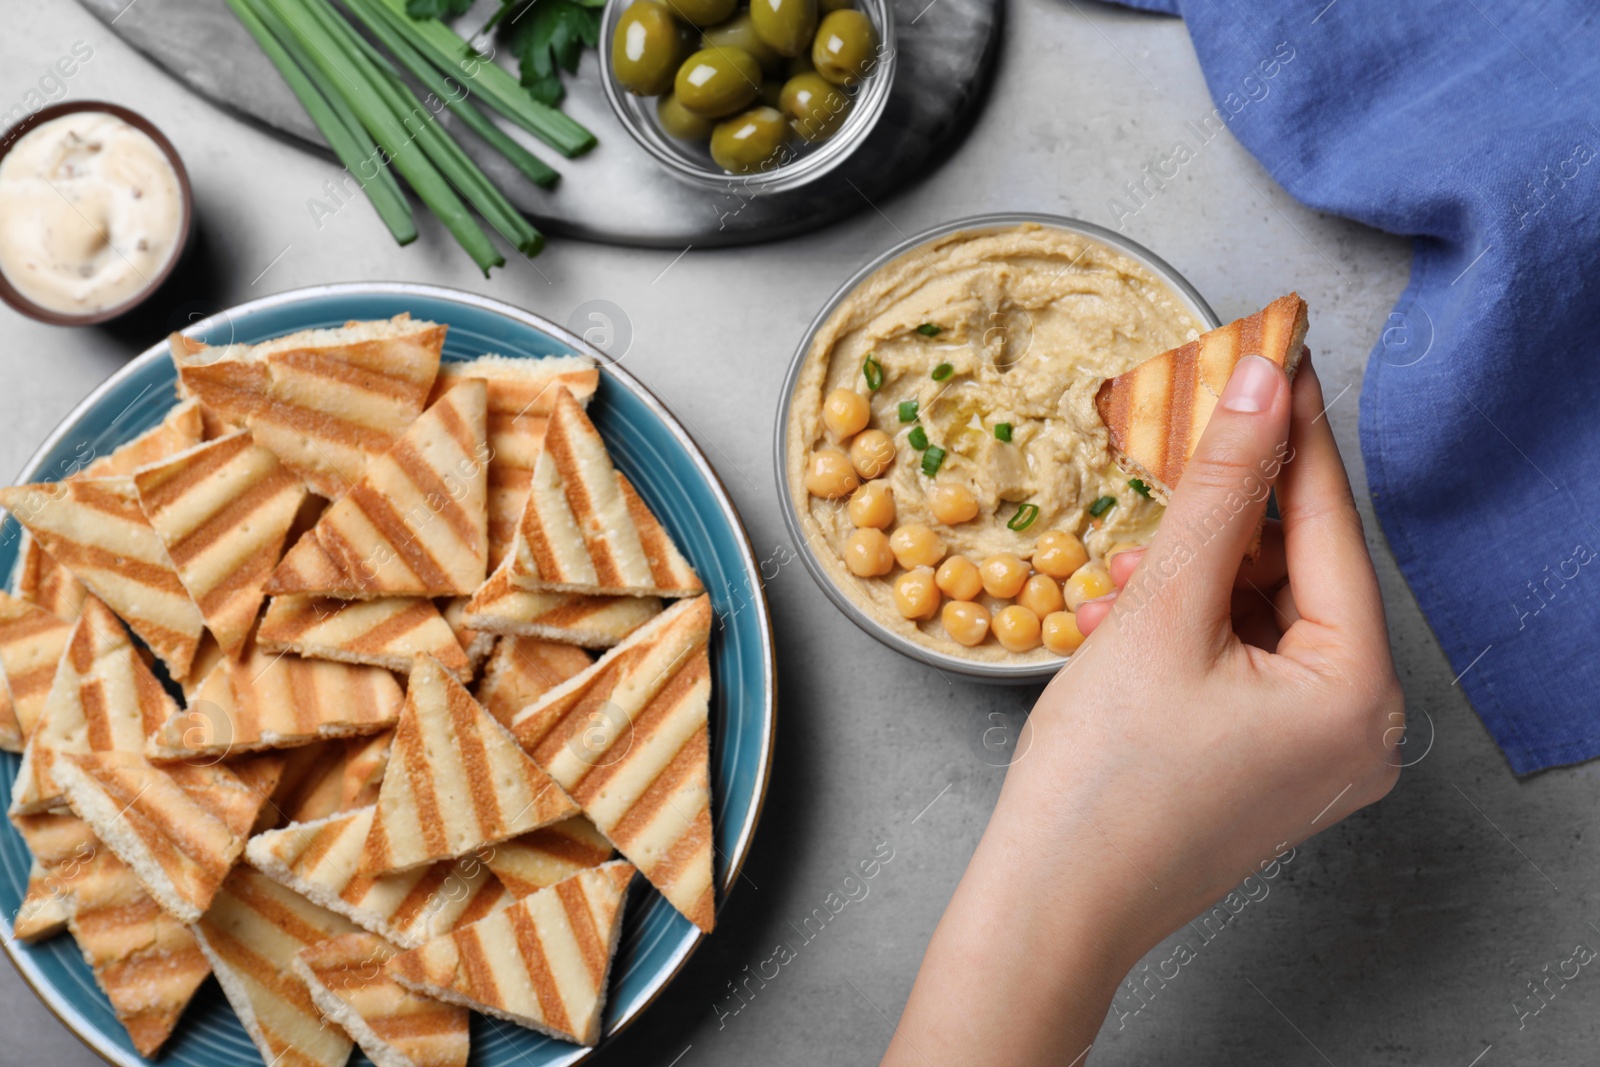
(928, 329)
(1103, 505)
(918, 438)
(1139, 487)
(1024, 517)
(908, 411)
(1002, 432)
(931, 459)
(942, 371)
(874, 372)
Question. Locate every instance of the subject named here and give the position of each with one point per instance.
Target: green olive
(702, 12)
(740, 32)
(816, 107)
(645, 50)
(846, 47)
(749, 142)
(717, 81)
(786, 25)
(679, 121)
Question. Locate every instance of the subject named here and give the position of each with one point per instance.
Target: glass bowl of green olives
(764, 95)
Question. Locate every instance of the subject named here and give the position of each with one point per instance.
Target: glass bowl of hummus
(95, 211)
(940, 462)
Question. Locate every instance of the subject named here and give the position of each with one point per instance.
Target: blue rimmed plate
(663, 462)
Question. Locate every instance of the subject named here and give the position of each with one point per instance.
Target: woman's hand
(1221, 710)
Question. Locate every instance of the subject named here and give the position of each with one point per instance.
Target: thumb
(1222, 495)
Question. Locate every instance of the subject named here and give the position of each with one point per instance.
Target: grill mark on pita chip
(570, 618)
(251, 934)
(541, 962)
(524, 668)
(393, 1026)
(61, 845)
(95, 528)
(535, 860)
(31, 643)
(388, 632)
(48, 584)
(328, 777)
(321, 860)
(477, 644)
(44, 910)
(456, 780)
(180, 430)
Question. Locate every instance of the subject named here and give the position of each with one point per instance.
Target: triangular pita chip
(544, 857)
(388, 633)
(542, 963)
(523, 669)
(180, 827)
(1156, 412)
(251, 935)
(585, 529)
(501, 607)
(147, 962)
(394, 1026)
(94, 527)
(456, 780)
(31, 643)
(320, 860)
(277, 700)
(629, 739)
(521, 397)
(103, 699)
(45, 582)
(182, 428)
(326, 401)
(222, 510)
(45, 907)
(329, 777)
(477, 644)
(414, 525)
(62, 845)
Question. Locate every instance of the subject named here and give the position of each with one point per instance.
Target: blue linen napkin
(1474, 126)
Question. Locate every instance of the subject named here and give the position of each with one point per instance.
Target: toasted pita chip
(573, 618)
(277, 700)
(629, 739)
(389, 633)
(477, 644)
(103, 699)
(326, 401)
(414, 525)
(251, 935)
(394, 1026)
(523, 669)
(61, 844)
(180, 828)
(31, 643)
(321, 860)
(182, 428)
(521, 397)
(222, 510)
(542, 963)
(147, 962)
(539, 859)
(1157, 411)
(45, 907)
(329, 777)
(584, 529)
(456, 781)
(95, 528)
(43, 581)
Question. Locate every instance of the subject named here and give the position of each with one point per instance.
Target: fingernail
(1252, 385)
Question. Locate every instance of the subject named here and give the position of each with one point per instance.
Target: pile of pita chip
(304, 687)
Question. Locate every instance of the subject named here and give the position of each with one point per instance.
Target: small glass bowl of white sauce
(95, 211)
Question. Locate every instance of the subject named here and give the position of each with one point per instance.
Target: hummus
(1017, 327)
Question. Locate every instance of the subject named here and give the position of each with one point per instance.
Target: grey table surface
(1406, 935)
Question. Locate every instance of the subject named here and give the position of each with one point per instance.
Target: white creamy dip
(90, 213)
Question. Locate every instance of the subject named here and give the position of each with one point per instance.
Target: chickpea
(830, 475)
(952, 504)
(1041, 595)
(966, 622)
(916, 546)
(1058, 553)
(1003, 575)
(866, 553)
(916, 595)
(872, 505)
(1087, 582)
(959, 579)
(845, 413)
(1017, 629)
(1061, 634)
(871, 453)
